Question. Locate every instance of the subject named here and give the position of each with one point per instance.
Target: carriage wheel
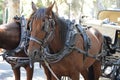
(115, 75)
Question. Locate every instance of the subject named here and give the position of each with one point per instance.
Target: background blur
(72, 9)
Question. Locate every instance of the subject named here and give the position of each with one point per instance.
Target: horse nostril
(36, 55)
(35, 52)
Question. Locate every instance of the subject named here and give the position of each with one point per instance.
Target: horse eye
(43, 20)
(43, 26)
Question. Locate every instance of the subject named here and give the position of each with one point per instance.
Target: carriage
(108, 23)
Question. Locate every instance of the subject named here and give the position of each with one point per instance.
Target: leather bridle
(48, 23)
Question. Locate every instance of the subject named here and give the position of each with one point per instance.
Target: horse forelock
(40, 13)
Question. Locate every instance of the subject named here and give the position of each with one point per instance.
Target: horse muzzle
(35, 55)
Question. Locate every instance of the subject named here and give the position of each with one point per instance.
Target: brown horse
(48, 43)
(9, 40)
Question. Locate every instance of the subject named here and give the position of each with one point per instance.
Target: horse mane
(61, 23)
(63, 28)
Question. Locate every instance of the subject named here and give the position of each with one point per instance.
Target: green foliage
(1, 20)
(1, 4)
(1, 12)
(39, 3)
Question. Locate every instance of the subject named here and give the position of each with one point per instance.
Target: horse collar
(70, 41)
(24, 34)
(9, 55)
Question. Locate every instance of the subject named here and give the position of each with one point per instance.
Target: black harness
(68, 47)
(50, 58)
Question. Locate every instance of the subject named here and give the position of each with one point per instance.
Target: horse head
(41, 25)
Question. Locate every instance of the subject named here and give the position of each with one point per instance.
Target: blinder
(29, 26)
(48, 25)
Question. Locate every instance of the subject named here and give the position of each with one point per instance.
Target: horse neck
(9, 36)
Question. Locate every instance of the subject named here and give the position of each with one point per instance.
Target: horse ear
(49, 9)
(34, 8)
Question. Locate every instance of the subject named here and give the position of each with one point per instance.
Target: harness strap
(85, 39)
(18, 61)
(86, 53)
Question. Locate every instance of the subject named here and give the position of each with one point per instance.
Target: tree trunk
(118, 4)
(13, 9)
(4, 9)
